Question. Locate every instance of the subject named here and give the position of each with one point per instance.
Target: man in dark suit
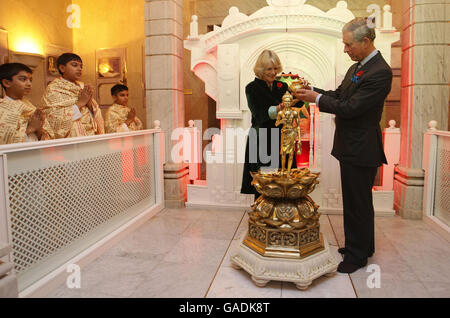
(358, 105)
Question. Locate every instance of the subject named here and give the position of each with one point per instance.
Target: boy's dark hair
(8, 70)
(66, 58)
(116, 89)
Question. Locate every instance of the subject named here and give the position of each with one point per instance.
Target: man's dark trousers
(357, 183)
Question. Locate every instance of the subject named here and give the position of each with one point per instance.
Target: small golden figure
(52, 70)
(290, 133)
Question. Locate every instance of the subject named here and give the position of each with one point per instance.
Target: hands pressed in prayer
(85, 97)
(36, 122)
(306, 95)
(131, 116)
(91, 94)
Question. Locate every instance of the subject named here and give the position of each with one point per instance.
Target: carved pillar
(228, 69)
(164, 85)
(425, 94)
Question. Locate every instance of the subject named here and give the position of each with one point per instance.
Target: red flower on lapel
(279, 85)
(360, 73)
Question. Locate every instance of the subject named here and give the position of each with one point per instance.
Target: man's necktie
(358, 66)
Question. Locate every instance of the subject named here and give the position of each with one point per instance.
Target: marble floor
(185, 253)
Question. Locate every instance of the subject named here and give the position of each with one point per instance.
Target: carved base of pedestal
(301, 272)
(284, 244)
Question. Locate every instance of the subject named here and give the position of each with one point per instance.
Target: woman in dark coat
(263, 94)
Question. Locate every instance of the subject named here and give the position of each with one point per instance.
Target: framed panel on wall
(111, 69)
(4, 51)
(52, 52)
(143, 82)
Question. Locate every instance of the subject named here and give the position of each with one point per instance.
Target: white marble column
(164, 85)
(425, 94)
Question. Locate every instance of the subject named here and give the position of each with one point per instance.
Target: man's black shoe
(348, 268)
(342, 251)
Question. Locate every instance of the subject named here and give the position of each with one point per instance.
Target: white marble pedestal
(301, 272)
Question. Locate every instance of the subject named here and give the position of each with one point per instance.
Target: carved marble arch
(204, 69)
(305, 38)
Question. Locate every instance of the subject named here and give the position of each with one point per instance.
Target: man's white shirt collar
(368, 57)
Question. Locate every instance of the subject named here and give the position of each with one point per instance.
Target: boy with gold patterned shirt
(20, 121)
(119, 117)
(69, 104)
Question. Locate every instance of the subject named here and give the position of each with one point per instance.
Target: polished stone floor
(185, 253)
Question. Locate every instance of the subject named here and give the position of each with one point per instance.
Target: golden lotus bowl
(298, 184)
(284, 221)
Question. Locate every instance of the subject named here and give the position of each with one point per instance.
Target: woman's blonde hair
(265, 60)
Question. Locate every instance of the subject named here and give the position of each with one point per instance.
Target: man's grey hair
(361, 28)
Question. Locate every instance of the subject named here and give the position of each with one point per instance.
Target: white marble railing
(192, 150)
(436, 163)
(391, 144)
(64, 201)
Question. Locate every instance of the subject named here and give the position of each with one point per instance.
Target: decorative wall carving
(4, 51)
(111, 70)
(228, 79)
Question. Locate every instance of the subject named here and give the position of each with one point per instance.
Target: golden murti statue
(290, 133)
(284, 221)
(283, 241)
